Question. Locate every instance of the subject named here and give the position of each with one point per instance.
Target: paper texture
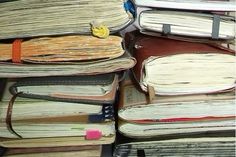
(11, 70)
(218, 5)
(33, 18)
(205, 146)
(65, 49)
(188, 24)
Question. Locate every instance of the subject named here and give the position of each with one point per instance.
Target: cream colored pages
(9, 70)
(37, 18)
(220, 5)
(47, 109)
(151, 130)
(43, 130)
(189, 73)
(195, 109)
(187, 24)
(54, 142)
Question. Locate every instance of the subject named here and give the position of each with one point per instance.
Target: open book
(173, 67)
(33, 18)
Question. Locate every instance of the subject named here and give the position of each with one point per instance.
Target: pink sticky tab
(93, 134)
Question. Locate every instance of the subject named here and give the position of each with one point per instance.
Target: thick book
(97, 89)
(141, 116)
(190, 24)
(61, 49)
(90, 67)
(174, 67)
(203, 146)
(54, 142)
(88, 151)
(33, 18)
(206, 5)
(34, 115)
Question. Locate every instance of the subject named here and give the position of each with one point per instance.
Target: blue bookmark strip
(129, 6)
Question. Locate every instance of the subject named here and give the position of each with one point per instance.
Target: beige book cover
(144, 116)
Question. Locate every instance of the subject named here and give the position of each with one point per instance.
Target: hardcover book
(141, 116)
(189, 24)
(90, 67)
(205, 5)
(97, 89)
(33, 111)
(204, 146)
(174, 67)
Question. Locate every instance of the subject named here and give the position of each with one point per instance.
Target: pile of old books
(64, 86)
(63, 62)
(180, 99)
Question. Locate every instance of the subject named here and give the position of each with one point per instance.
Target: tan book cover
(88, 151)
(144, 117)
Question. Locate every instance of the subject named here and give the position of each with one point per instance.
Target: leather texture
(142, 46)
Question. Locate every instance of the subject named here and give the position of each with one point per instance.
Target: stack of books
(62, 61)
(145, 77)
(182, 88)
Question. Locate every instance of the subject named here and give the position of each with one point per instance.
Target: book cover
(143, 117)
(174, 67)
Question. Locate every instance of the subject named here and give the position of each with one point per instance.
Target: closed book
(204, 5)
(38, 114)
(63, 49)
(203, 146)
(142, 117)
(89, 151)
(174, 67)
(32, 18)
(190, 24)
(97, 89)
(53, 141)
(90, 67)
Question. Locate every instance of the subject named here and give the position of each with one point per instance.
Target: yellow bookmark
(99, 30)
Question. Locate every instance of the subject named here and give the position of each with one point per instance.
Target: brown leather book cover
(183, 58)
